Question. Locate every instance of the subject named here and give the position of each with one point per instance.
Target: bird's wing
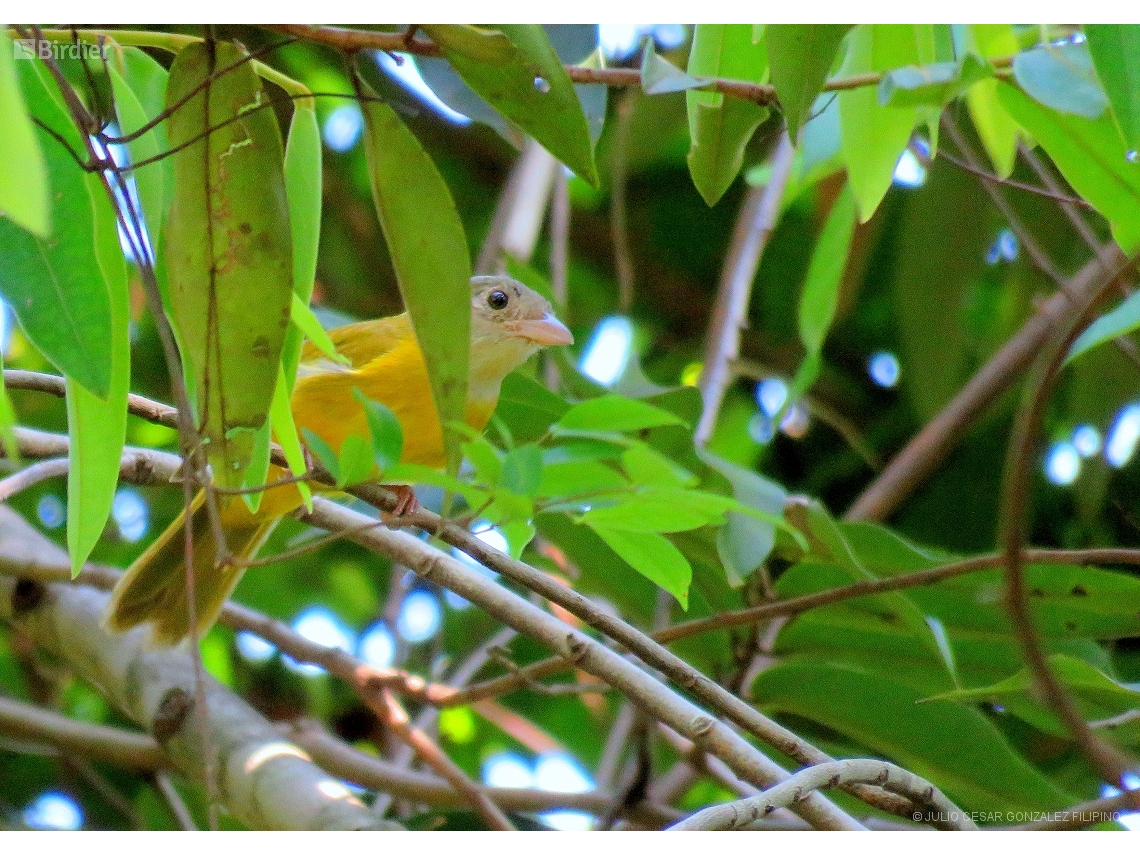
(360, 343)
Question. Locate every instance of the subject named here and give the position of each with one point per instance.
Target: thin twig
(1069, 204)
(866, 587)
(619, 230)
(742, 813)
(990, 178)
(32, 475)
(587, 654)
(1025, 236)
(763, 94)
(923, 454)
(182, 815)
(753, 226)
(389, 710)
(1013, 512)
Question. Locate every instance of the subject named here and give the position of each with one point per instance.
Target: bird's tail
(154, 588)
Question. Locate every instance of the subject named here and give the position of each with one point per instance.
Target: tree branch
(764, 94)
(587, 654)
(266, 782)
(741, 814)
(923, 454)
(109, 744)
(754, 225)
(162, 465)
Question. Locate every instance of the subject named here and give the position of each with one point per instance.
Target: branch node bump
(700, 727)
(26, 595)
(576, 648)
(172, 711)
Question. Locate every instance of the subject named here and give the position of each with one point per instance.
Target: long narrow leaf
(97, 428)
(24, 179)
(429, 251)
(228, 247)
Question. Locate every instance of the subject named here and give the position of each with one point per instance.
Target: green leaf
(1115, 50)
(995, 127)
(97, 428)
(285, 430)
(935, 85)
(1061, 77)
(1120, 321)
(522, 470)
(579, 478)
(1091, 157)
(304, 319)
(323, 452)
(387, 434)
(53, 285)
(356, 461)
(744, 542)
(649, 512)
(615, 413)
(659, 76)
(1098, 696)
(829, 543)
(24, 184)
(521, 76)
(429, 253)
(653, 556)
(528, 407)
(873, 136)
(982, 772)
(518, 534)
(303, 190)
(648, 468)
(800, 56)
(721, 127)
(485, 460)
(139, 90)
(227, 246)
(825, 274)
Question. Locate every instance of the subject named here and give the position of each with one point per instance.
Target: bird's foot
(406, 502)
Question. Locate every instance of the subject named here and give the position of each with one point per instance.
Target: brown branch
(866, 587)
(389, 711)
(98, 742)
(32, 475)
(1013, 513)
(365, 770)
(741, 814)
(754, 225)
(1036, 253)
(350, 40)
(642, 688)
(990, 178)
(619, 219)
(926, 451)
(162, 465)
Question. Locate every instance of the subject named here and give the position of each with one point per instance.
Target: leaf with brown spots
(228, 248)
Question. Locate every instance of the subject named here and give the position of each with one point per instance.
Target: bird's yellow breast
(324, 403)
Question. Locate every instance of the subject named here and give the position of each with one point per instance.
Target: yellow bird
(509, 323)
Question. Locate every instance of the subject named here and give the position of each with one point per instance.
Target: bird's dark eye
(498, 299)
